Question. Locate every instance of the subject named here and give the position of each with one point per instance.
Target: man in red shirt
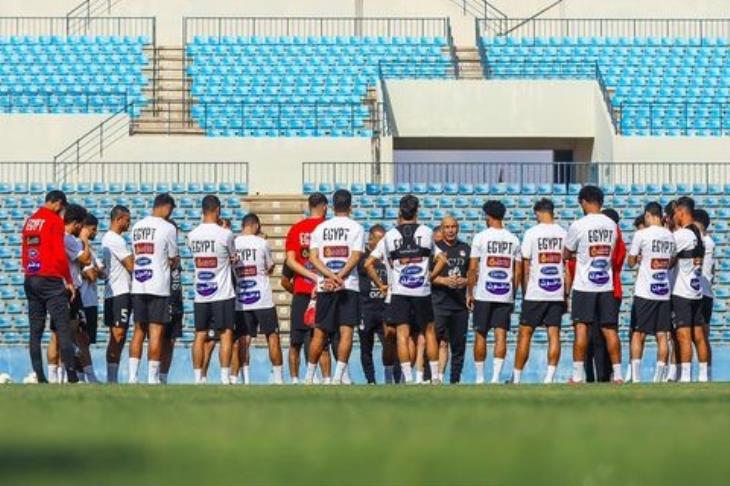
(297, 259)
(48, 283)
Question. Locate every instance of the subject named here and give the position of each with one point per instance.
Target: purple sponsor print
(335, 264)
(660, 276)
(411, 282)
(498, 275)
(142, 261)
(600, 263)
(34, 267)
(659, 288)
(246, 284)
(142, 275)
(695, 284)
(411, 270)
(598, 278)
(204, 276)
(206, 289)
(550, 284)
(498, 288)
(248, 298)
(549, 270)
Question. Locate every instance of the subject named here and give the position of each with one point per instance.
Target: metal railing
(51, 103)
(71, 26)
(547, 8)
(517, 172)
(124, 171)
(582, 27)
(92, 8)
(688, 118)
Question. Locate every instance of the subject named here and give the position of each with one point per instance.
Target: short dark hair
(613, 214)
(56, 196)
(687, 203)
(91, 220)
(251, 219)
(591, 194)
(342, 200)
(210, 203)
(544, 205)
(669, 208)
(316, 199)
(377, 228)
(74, 214)
(494, 209)
(639, 221)
(118, 211)
(227, 221)
(653, 208)
(702, 217)
(164, 199)
(408, 207)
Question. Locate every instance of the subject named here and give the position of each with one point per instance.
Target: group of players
(412, 287)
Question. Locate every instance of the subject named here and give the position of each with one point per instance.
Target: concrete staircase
(469, 63)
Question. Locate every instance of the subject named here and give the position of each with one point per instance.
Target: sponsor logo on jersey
(599, 277)
(406, 261)
(600, 263)
(549, 270)
(304, 240)
(33, 253)
(144, 248)
(206, 262)
(659, 288)
(695, 284)
(33, 267)
(204, 276)
(142, 261)
(498, 274)
(246, 271)
(660, 276)
(412, 270)
(33, 240)
(335, 265)
(599, 251)
(143, 275)
(411, 282)
(552, 257)
(206, 289)
(246, 284)
(550, 284)
(498, 288)
(499, 262)
(248, 298)
(336, 252)
(659, 263)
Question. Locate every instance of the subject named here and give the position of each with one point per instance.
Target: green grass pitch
(586, 435)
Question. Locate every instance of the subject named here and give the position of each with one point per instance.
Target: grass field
(588, 435)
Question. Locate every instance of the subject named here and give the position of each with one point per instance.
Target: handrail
(74, 26)
(88, 8)
(606, 97)
(532, 17)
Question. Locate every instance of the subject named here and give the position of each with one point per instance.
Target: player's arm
(356, 251)
(439, 263)
(517, 274)
(173, 254)
(269, 260)
(90, 273)
(298, 268)
(287, 284)
(471, 279)
(634, 251)
(372, 273)
(526, 252)
(84, 256)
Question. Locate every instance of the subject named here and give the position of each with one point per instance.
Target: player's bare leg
(638, 340)
(480, 355)
(295, 351)
(344, 348)
(154, 351)
(244, 354)
(420, 355)
(553, 353)
(117, 337)
(53, 358)
(224, 355)
(325, 365)
(390, 353)
(706, 329)
(84, 359)
(673, 366)
(135, 351)
(208, 349)
(703, 352)
(168, 349)
(432, 351)
(198, 355)
(443, 358)
(580, 347)
(500, 352)
(276, 357)
(235, 361)
(522, 351)
(613, 346)
(316, 350)
(403, 350)
(662, 355)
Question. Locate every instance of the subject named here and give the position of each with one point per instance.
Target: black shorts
(91, 318)
(687, 312)
(75, 312)
(117, 310)
(599, 307)
(151, 308)
(446, 321)
(536, 313)
(491, 315)
(216, 316)
(414, 311)
(707, 303)
(248, 323)
(299, 333)
(174, 329)
(335, 309)
(371, 320)
(651, 316)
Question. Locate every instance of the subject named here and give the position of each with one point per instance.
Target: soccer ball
(31, 378)
(5, 379)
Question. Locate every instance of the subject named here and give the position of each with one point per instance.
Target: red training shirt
(44, 251)
(297, 240)
(617, 264)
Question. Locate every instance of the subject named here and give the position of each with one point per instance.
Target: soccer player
(687, 293)
(89, 297)
(592, 240)
(449, 299)
(639, 224)
(407, 250)
(702, 221)
(154, 244)
(119, 264)
(335, 250)
(543, 288)
(173, 331)
(213, 252)
(297, 259)
(652, 248)
(495, 272)
(254, 300)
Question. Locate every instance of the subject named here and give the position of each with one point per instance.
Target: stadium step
(469, 63)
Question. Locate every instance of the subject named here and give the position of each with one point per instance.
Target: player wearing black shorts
(702, 221)
(173, 330)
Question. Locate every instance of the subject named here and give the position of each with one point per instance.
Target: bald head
(449, 229)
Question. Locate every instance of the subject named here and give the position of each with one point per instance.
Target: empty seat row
(319, 40)
(625, 41)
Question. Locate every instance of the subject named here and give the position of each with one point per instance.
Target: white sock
(629, 374)
(441, 377)
(327, 380)
(234, 379)
(497, 370)
(163, 378)
(311, 370)
(198, 374)
(407, 372)
(52, 373)
(339, 371)
(671, 372)
(686, 373)
(516, 375)
(389, 374)
(294, 380)
(617, 375)
(434, 366)
(278, 375)
(419, 376)
(112, 372)
(550, 376)
(62, 377)
(133, 370)
(153, 372)
(246, 375)
(579, 372)
(346, 380)
(225, 375)
(90, 374)
(479, 372)
(203, 380)
(703, 375)
(659, 371)
(635, 370)
(81, 376)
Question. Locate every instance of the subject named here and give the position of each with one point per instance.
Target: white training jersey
(689, 275)
(113, 251)
(154, 242)
(406, 276)
(708, 267)
(88, 290)
(593, 239)
(335, 240)
(655, 244)
(212, 249)
(74, 247)
(543, 246)
(253, 290)
(497, 250)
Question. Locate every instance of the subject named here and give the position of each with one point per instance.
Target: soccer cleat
(573, 381)
(618, 381)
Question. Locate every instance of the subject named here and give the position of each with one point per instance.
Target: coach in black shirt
(449, 295)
